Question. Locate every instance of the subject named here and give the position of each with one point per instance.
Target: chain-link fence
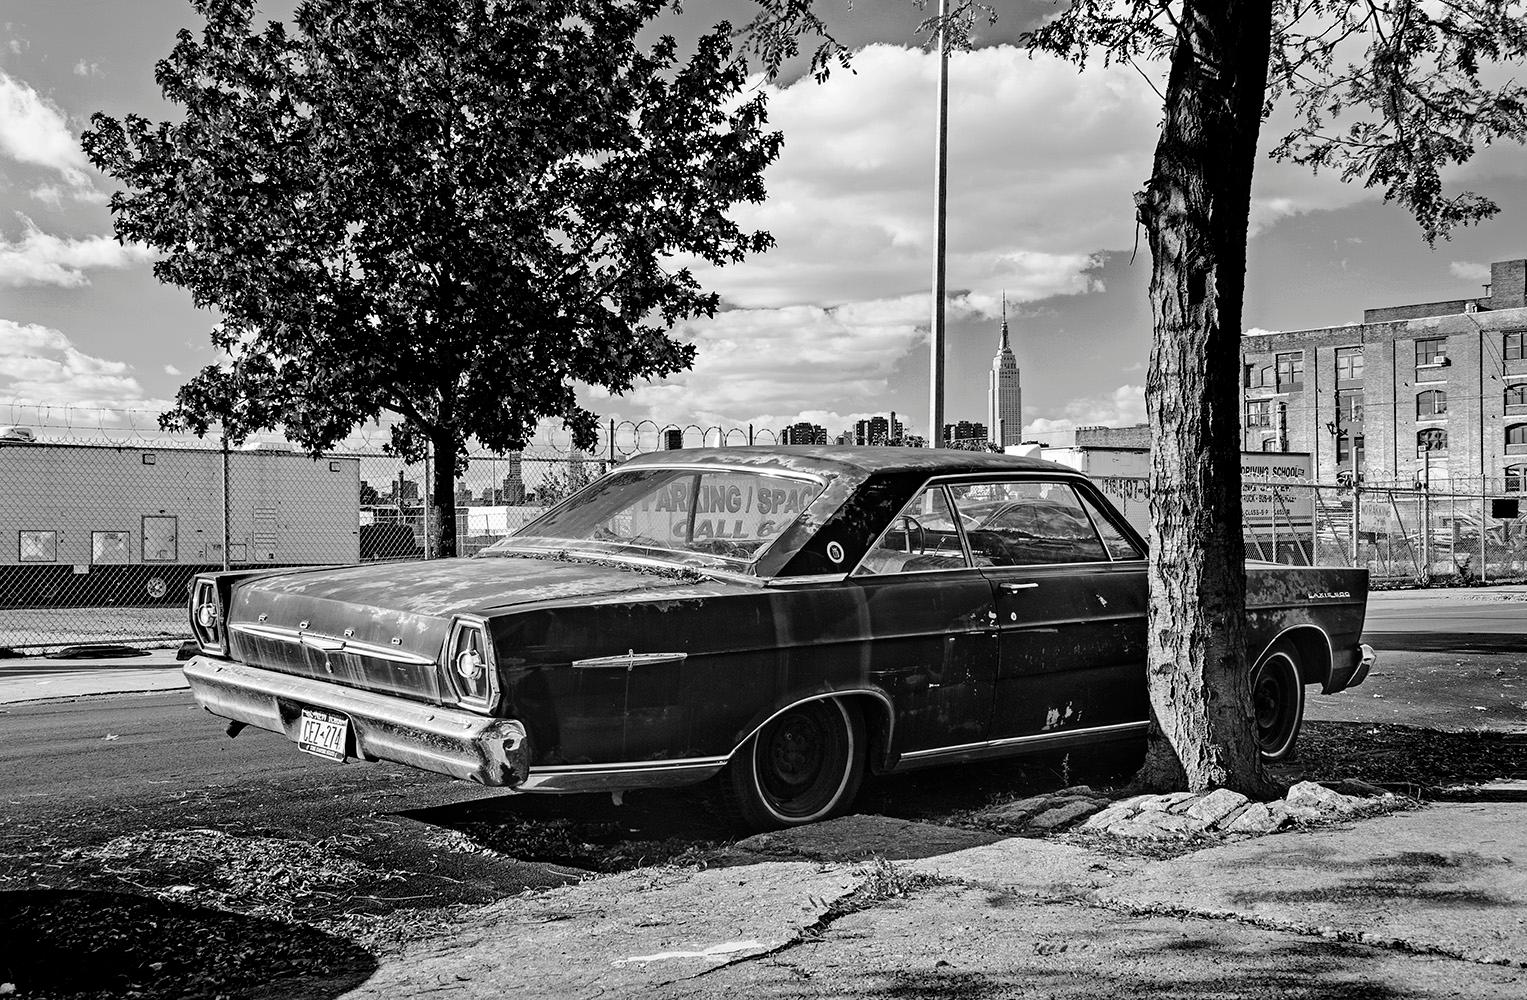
(1399, 533)
(99, 539)
(104, 518)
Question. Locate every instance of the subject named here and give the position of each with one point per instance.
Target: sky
(831, 325)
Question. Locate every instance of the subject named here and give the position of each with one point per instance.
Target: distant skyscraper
(1004, 396)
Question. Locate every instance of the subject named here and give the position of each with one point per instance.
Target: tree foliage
(1388, 93)
(445, 213)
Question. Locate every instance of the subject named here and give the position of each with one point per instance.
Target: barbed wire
(71, 423)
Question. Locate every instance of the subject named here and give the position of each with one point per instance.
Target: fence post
(1484, 574)
(1357, 505)
(227, 533)
(612, 441)
(429, 512)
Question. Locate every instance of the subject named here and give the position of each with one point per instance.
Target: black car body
(793, 616)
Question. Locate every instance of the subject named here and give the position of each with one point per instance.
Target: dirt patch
(1419, 762)
(88, 945)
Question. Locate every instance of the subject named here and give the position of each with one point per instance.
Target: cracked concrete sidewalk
(1425, 902)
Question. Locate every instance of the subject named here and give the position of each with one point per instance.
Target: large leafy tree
(1389, 93)
(444, 213)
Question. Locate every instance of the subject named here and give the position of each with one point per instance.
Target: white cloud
(84, 68)
(40, 365)
(172, 370)
(35, 132)
(1467, 270)
(39, 258)
(1123, 407)
(1042, 165)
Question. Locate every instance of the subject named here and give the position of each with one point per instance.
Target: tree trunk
(442, 516)
(1195, 211)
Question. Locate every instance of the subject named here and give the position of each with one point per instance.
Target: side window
(1027, 523)
(1119, 547)
(922, 537)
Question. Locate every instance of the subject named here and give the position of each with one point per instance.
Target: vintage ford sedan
(785, 617)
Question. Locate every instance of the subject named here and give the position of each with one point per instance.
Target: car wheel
(804, 765)
(1277, 702)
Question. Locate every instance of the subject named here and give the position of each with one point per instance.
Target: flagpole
(940, 200)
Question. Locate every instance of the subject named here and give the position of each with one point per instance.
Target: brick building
(1435, 392)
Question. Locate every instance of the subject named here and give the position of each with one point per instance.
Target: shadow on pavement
(1404, 879)
(692, 826)
(1447, 642)
(1409, 759)
(70, 943)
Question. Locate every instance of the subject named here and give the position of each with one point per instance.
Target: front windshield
(728, 514)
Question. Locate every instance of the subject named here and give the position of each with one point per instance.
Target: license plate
(323, 734)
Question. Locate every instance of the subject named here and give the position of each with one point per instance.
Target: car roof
(835, 459)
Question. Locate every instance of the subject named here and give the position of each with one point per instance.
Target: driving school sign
(1276, 489)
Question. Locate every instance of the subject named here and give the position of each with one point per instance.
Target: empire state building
(1004, 395)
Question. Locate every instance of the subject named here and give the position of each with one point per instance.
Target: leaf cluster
(447, 211)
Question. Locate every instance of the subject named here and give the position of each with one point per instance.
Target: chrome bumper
(1366, 658)
(449, 741)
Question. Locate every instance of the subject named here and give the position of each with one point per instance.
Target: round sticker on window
(156, 587)
(835, 552)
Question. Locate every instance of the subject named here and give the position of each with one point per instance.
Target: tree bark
(1195, 211)
(442, 516)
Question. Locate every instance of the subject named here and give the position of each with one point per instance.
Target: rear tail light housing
(206, 616)
(469, 666)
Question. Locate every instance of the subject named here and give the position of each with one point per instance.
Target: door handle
(1013, 588)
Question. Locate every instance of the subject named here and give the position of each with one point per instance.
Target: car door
(1069, 594)
(930, 616)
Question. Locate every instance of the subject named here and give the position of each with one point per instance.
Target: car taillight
(469, 664)
(206, 616)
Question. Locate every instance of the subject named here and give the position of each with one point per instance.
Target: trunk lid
(381, 627)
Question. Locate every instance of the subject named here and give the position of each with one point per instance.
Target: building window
(1433, 439)
(1349, 364)
(1431, 403)
(109, 548)
(1259, 413)
(1270, 444)
(1516, 397)
(1511, 345)
(1516, 439)
(1343, 450)
(1431, 351)
(1290, 371)
(38, 546)
(1516, 479)
(1349, 405)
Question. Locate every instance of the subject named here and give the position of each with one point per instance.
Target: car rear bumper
(478, 748)
(1358, 663)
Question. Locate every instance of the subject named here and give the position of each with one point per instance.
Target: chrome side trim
(796, 581)
(1038, 738)
(625, 661)
(621, 776)
(329, 644)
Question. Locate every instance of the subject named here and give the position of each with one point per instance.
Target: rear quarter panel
(748, 653)
(1282, 601)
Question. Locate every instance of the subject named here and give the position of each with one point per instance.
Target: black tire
(1277, 703)
(804, 765)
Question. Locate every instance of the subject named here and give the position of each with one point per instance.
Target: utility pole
(940, 201)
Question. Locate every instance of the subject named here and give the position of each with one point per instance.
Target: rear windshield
(725, 514)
